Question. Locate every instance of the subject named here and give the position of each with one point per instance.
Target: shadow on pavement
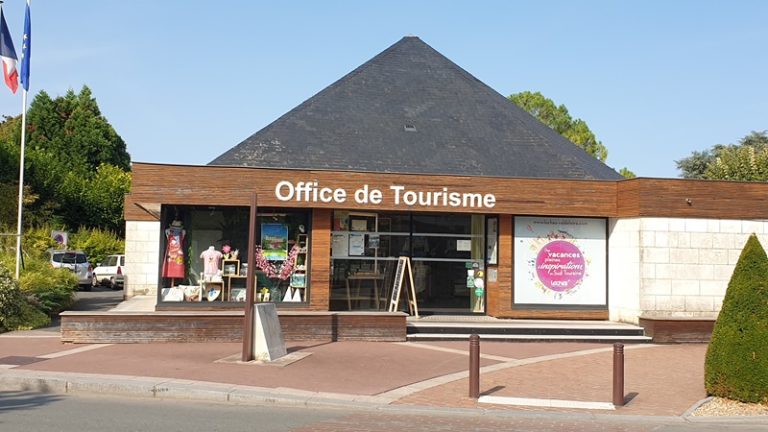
(16, 400)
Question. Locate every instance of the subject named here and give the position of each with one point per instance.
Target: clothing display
(211, 258)
(173, 263)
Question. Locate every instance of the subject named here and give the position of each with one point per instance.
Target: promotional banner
(274, 241)
(560, 261)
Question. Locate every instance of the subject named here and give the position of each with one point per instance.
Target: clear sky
(183, 81)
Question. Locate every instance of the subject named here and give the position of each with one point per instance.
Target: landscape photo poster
(560, 261)
(274, 241)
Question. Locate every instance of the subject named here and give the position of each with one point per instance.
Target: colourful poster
(274, 241)
(560, 261)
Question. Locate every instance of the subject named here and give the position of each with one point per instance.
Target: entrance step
(460, 328)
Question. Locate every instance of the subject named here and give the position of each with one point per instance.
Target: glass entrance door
(444, 248)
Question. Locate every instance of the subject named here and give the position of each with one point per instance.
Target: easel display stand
(403, 267)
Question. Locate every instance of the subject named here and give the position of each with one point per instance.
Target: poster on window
(274, 241)
(560, 261)
(356, 244)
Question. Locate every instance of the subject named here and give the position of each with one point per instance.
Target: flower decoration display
(270, 270)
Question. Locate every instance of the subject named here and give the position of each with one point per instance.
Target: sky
(184, 81)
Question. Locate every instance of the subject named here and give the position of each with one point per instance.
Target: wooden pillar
(500, 292)
(320, 261)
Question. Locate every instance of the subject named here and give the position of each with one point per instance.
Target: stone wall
(142, 256)
(685, 264)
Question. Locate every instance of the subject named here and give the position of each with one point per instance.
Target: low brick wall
(227, 326)
(678, 330)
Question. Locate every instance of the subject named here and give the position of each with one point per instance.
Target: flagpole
(21, 179)
(25, 51)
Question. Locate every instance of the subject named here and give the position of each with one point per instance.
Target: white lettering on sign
(312, 191)
(444, 198)
(308, 192)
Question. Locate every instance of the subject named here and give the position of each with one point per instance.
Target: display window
(205, 257)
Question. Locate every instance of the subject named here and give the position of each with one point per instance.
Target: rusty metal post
(618, 374)
(474, 366)
(250, 285)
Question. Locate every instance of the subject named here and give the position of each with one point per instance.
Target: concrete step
(526, 328)
(415, 337)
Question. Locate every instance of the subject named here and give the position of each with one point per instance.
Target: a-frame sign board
(403, 267)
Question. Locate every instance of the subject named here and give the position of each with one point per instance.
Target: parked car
(77, 262)
(111, 272)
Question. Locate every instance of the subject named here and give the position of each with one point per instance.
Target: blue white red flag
(26, 50)
(8, 55)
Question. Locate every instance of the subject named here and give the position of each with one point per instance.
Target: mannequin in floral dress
(173, 263)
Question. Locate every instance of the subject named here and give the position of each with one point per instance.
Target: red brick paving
(519, 350)
(31, 346)
(380, 422)
(362, 368)
(667, 379)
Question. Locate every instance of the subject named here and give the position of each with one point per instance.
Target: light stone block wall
(142, 256)
(624, 269)
(685, 264)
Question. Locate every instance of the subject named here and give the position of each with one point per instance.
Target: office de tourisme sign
(313, 192)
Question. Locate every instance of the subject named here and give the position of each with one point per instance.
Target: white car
(76, 262)
(111, 272)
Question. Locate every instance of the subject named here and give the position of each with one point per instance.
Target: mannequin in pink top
(211, 258)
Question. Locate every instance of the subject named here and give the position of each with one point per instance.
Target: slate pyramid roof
(411, 110)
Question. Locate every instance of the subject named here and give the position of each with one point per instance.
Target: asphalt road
(31, 412)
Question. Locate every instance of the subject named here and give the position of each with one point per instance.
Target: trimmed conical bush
(736, 365)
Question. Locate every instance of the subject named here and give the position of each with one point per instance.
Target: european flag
(26, 50)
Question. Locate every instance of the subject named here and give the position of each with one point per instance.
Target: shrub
(15, 312)
(736, 365)
(96, 243)
(52, 289)
(28, 318)
(11, 299)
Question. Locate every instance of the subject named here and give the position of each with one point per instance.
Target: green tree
(736, 365)
(75, 162)
(745, 161)
(627, 173)
(558, 118)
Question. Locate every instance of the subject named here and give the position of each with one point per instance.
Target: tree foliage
(559, 119)
(626, 173)
(745, 161)
(76, 164)
(736, 365)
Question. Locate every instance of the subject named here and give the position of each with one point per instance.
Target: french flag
(8, 55)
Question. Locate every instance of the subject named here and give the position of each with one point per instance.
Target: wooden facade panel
(500, 292)
(628, 198)
(703, 199)
(320, 260)
(153, 183)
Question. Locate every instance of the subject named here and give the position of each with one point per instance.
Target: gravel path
(726, 407)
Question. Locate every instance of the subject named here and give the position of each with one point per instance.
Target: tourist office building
(411, 156)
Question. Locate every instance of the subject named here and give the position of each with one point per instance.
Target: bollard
(618, 374)
(474, 366)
